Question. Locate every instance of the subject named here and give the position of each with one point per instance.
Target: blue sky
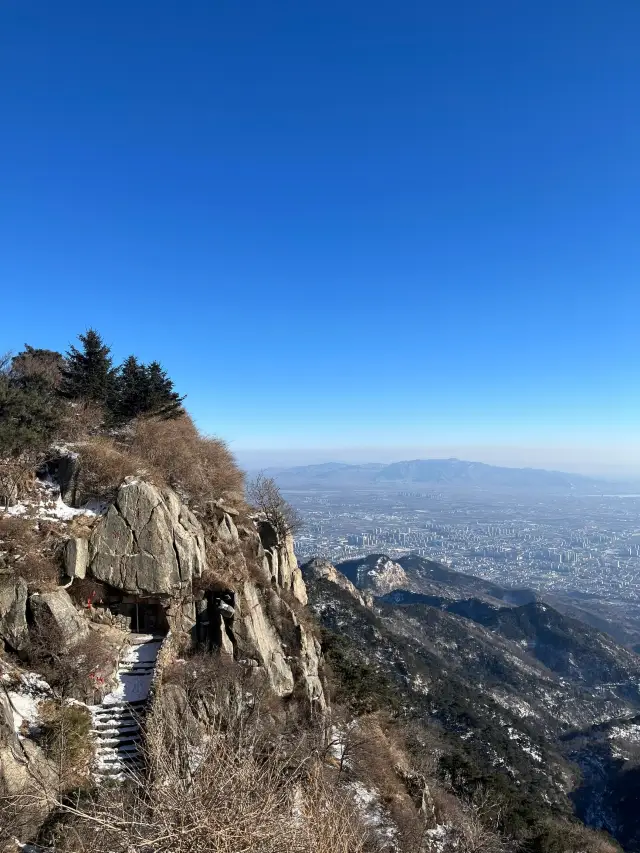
(382, 225)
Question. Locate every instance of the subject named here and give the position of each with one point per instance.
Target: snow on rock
(515, 704)
(24, 698)
(47, 504)
(372, 812)
(440, 838)
(524, 743)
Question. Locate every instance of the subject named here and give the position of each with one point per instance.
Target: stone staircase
(116, 721)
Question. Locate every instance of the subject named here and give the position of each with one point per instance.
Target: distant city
(564, 543)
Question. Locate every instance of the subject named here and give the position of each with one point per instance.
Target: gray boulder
(147, 543)
(56, 610)
(13, 611)
(76, 557)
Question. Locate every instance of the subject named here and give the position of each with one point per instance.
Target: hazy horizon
(593, 462)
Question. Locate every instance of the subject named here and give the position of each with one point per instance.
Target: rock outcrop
(13, 611)
(147, 543)
(55, 609)
(322, 569)
(375, 573)
(257, 637)
(279, 560)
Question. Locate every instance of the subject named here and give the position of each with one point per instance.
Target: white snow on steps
(116, 721)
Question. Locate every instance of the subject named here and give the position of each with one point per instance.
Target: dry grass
(224, 789)
(103, 468)
(201, 469)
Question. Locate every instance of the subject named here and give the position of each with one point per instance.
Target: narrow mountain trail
(116, 720)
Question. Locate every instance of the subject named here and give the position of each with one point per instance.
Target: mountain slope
(379, 574)
(517, 690)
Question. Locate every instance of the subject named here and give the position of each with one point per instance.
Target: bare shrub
(230, 791)
(31, 550)
(17, 478)
(23, 808)
(200, 468)
(331, 822)
(103, 468)
(44, 364)
(263, 493)
(82, 419)
(76, 672)
(561, 836)
(87, 592)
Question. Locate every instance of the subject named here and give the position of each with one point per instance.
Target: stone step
(138, 669)
(133, 737)
(113, 720)
(125, 728)
(118, 728)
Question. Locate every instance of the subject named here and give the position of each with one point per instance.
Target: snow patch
(47, 504)
(368, 803)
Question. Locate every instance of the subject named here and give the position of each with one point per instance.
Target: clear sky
(339, 225)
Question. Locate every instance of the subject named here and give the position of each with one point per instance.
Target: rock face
(147, 543)
(280, 561)
(64, 468)
(150, 546)
(13, 611)
(56, 609)
(316, 568)
(256, 635)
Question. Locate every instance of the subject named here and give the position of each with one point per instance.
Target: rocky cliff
(224, 582)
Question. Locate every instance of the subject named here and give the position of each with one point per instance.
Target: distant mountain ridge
(433, 473)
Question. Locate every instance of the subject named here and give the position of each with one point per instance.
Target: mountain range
(522, 698)
(435, 473)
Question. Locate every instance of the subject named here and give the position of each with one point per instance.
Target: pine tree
(145, 390)
(88, 374)
(162, 400)
(29, 414)
(131, 390)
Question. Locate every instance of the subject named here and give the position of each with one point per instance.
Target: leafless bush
(31, 550)
(263, 493)
(81, 419)
(17, 478)
(201, 468)
(40, 363)
(78, 672)
(24, 807)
